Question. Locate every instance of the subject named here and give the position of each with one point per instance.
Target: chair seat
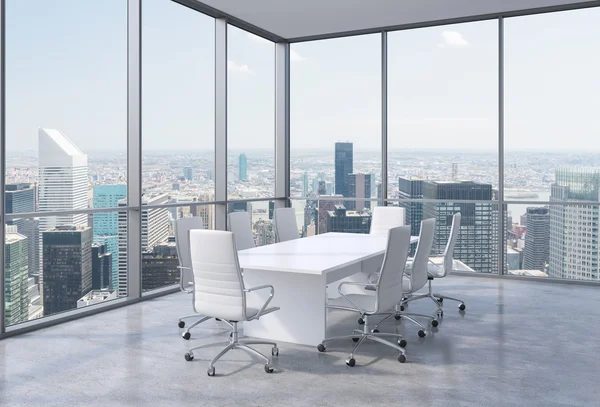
(406, 285)
(435, 267)
(363, 302)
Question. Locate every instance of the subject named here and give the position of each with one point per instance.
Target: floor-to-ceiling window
(66, 141)
(178, 137)
(335, 145)
(443, 134)
(551, 143)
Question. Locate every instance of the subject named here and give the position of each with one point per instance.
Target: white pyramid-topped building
(63, 178)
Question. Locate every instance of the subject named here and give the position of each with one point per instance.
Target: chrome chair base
(235, 343)
(437, 299)
(361, 336)
(409, 316)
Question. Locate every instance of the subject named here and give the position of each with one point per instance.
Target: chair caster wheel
(351, 362)
(402, 343)
(397, 317)
(402, 308)
(268, 369)
(375, 331)
(275, 351)
(211, 372)
(218, 319)
(401, 358)
(361, 321)
(181, 324)
(422, 333)
(355, 339)
(434, 323)
(186, 336)
(441, 299)
(440, 314)
(189, 357)
(462, 307)
(321, 347)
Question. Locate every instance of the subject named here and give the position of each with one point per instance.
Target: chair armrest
(262, 287)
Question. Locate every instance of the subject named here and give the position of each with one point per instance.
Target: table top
(315, 254)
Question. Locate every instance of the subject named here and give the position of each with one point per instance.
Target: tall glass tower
(106, 224)
(344, 157)
(243, 167)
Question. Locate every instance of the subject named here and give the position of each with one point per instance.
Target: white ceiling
(291, 19)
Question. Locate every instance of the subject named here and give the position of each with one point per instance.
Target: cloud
(241, 68)
(453, 39)
(294, 56)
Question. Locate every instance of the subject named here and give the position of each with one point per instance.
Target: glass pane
(551, 99)
(251, 115)
(160, 264)
(66, 103)
(336, 118)
(443, 106)
(558, 241)
(261, 218)
(52, 267)
(177, 101)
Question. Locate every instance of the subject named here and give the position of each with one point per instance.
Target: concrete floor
(518, 344)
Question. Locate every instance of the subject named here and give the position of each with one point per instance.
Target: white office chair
(417, 278)
(388, 292)
(385, 218)
(219, 292)
(286, 227)
(241, 226)
(440, 267)
(182, 244)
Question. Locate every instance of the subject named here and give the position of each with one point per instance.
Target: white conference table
(300, 271)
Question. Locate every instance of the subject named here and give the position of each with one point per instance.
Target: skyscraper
(155, 229)
(160, 266)
(410, 188)
(20, 198)
(537, 239)
(31, 230)
(243, 167)
(322, 189)
(342, 220)
(63, 172)
(574, 229)
(101, 266)
(477, 244)
(106, 224)
(187, 173)
(63, 183)
(343, 166)
(305, 184)
(16, 296)
(358, 186)
(326, 204)
(67, 253)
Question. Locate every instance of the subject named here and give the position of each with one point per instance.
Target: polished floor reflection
(518, 343)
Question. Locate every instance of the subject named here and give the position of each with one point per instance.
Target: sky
(66, 67)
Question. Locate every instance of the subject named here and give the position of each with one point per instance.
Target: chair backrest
(389, 285)
(218, 283)
(449, 251)
(418, 274)
(182, 244)
(386, 217)
(286, 227)
(241, 226)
